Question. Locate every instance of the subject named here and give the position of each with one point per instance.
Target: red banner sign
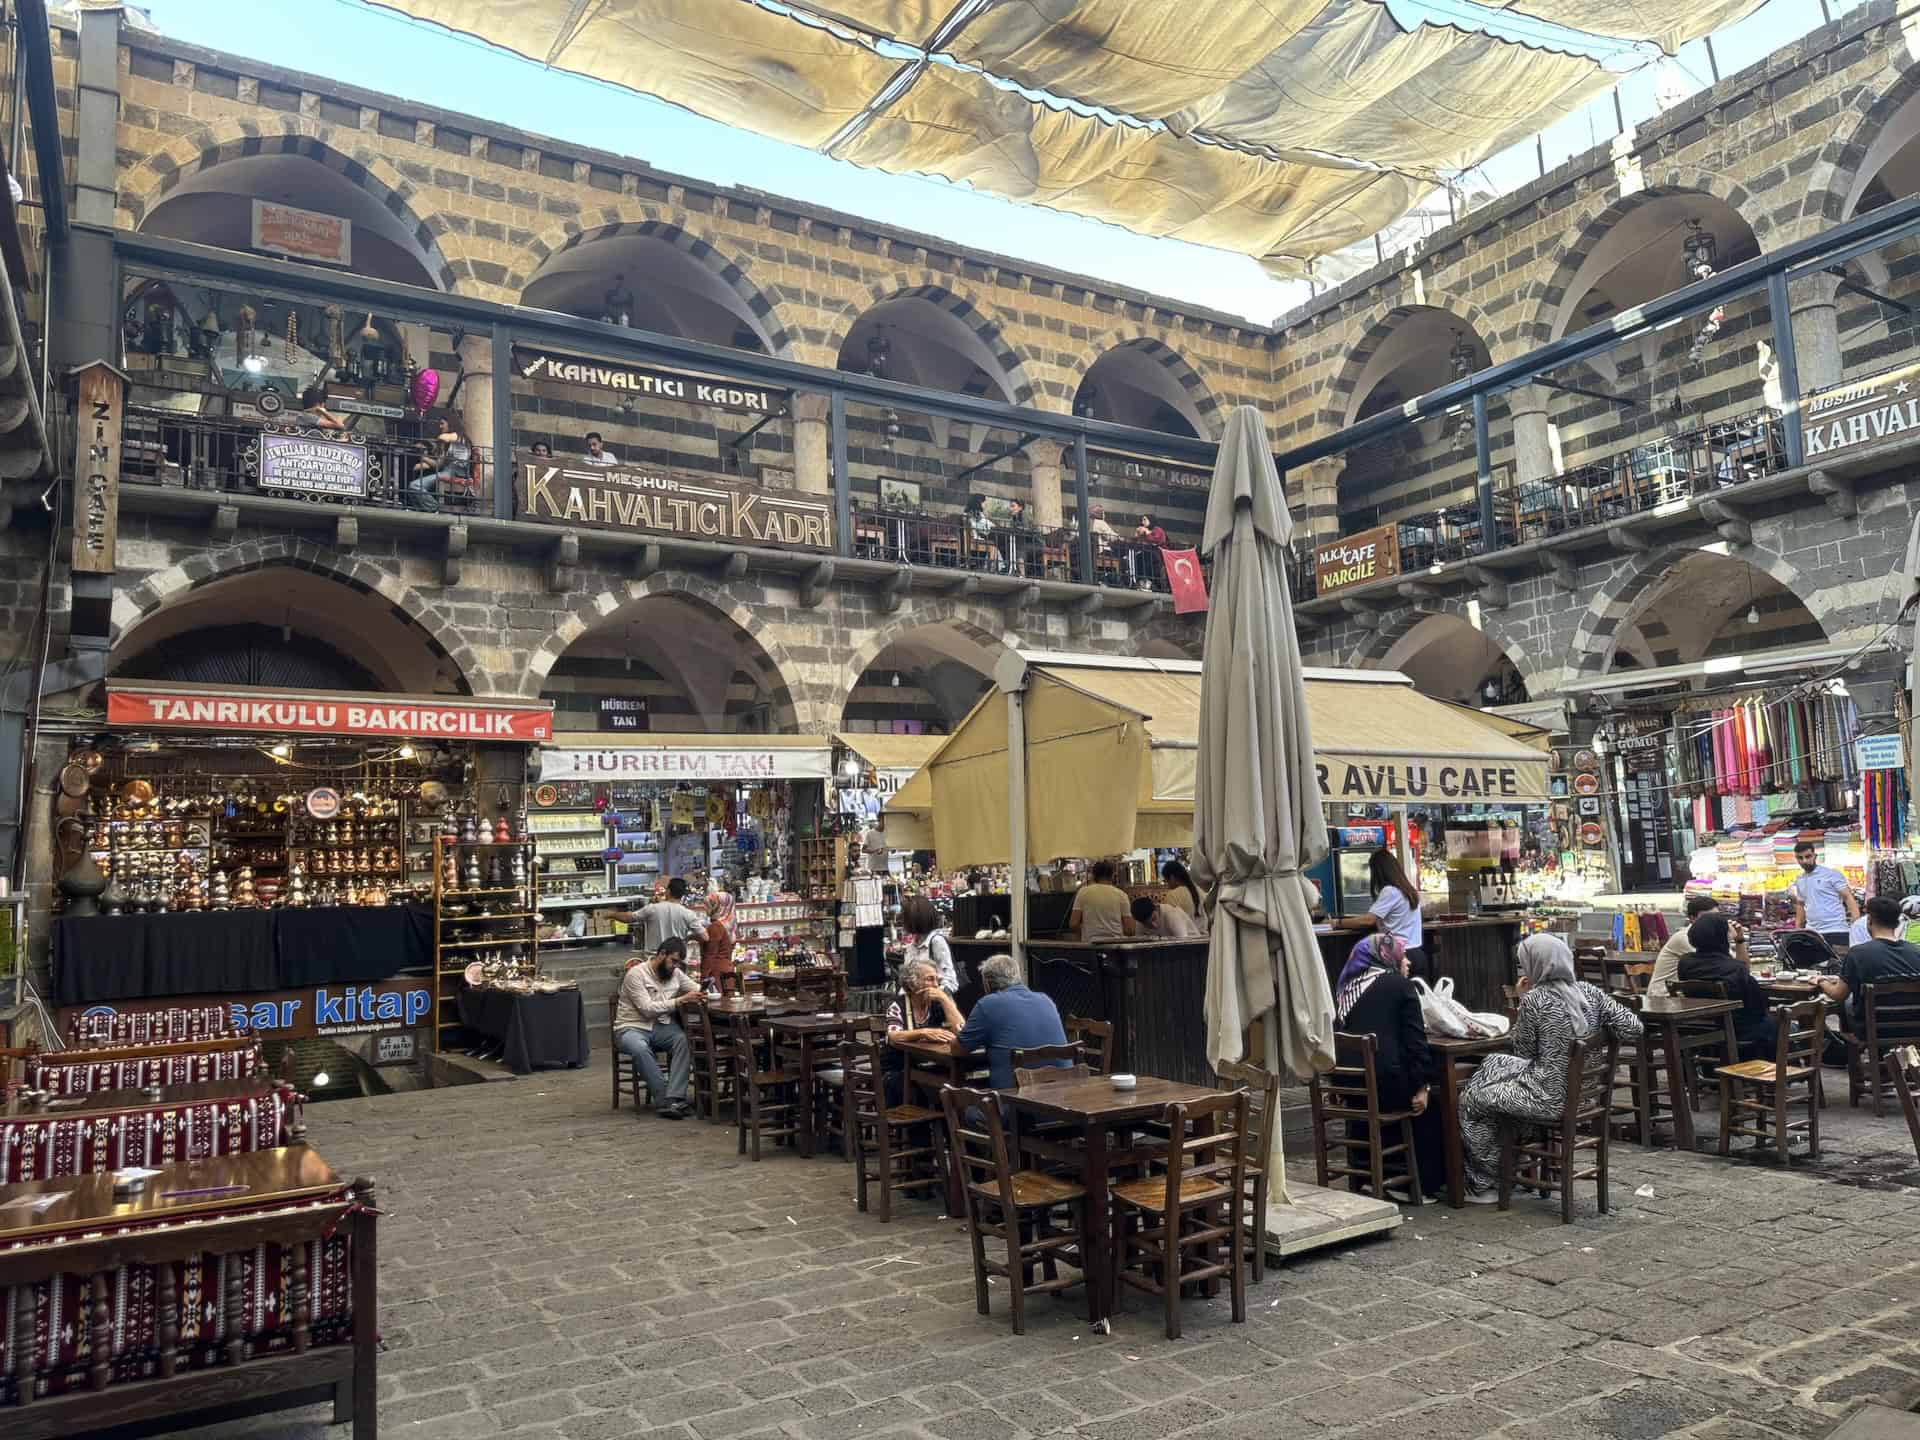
(410, 717)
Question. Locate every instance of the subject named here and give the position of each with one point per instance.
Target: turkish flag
(1185, 579)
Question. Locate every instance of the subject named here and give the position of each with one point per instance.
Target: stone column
(1816, 332)
(1044, 460)
(475, 404)
(812, 465)
(1318, 485)
(1532, 432)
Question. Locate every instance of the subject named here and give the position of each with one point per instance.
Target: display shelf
(568, 942)
(540, 832)
(497, 942)
(576, 902)
(496, 890)
(448, 980)
(503, 915)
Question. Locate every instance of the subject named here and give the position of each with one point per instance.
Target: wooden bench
(157, 1346)
(135, 1067)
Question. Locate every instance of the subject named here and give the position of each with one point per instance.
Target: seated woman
(1376, 998)
(920, 1011)
(1712, 959)
(1529, 1084)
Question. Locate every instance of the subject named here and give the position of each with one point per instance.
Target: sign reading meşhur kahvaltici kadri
(1846, 417)
(668, 502)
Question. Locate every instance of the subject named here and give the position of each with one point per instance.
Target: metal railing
(161, 447)
(952, 542)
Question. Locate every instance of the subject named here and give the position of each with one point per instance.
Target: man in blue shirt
(1009, 1017)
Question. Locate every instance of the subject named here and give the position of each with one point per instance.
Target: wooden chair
(713, 1074)
(1263, 1113)
(1643, 1094)
(1188, 1226)
(625, 1071)
(1095, 1039)
(1707, 1040)
(1590, 964)
(768, 1096)
(1790, 1078)
(1892, 1011)
(1349, 1094)
(1056, 559)
(1020, 1208)
(1904, 1067)
(1554, 1163)
(1035, 1139)
(896, 1147)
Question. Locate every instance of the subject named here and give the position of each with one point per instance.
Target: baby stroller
(1805, 950)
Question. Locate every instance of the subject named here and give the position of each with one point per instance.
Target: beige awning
(1111, 756)
(890, 752)
(1281, 128)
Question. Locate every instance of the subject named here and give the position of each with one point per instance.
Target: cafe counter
(1476, 951)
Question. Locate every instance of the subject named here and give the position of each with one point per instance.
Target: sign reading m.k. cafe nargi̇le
(1847, 417)
(668, 502)
(1356, 559)
(721, 394)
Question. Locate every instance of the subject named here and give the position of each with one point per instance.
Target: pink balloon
(426, 385)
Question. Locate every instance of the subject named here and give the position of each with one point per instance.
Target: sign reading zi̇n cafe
(1356, 559)
(1846, 417)
(652, 501)
(718, 393)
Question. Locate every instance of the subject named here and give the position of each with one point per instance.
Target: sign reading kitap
(401, 716)
(667, 502)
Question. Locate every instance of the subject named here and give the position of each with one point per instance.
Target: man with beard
(645, 1020)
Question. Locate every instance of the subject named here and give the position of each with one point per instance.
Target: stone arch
(150, 182)
(1374, 329)
(1017, 366)
(983, 624)
(1841, 171)
(1375, 647)
(1596, 637)
(161, 589)
(1540, 301)
(1204, 405)
(774, 664)
(702, 245)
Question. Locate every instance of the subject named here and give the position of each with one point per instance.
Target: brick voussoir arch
(1596, 637)
(1370, 652)
(733, 267)
(147, 184)
(137, 603)
(1165, 353)
(982, 623)
(781, 670)
(1836, 166)
(1018, 365)
(1378, 323)
(1599, 213)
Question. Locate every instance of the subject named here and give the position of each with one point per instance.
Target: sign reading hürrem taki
(668, 502)
(1846, 417)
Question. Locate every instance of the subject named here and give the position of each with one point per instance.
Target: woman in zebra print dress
(1529, 1084)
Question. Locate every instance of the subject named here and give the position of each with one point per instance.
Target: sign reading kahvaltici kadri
(720, 394)
(1847, 417)
(668, 502)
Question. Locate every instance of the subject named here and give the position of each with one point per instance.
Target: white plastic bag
(1440, 1012)
(1489, 1022)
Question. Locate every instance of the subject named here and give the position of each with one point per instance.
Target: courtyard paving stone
(554, 1270)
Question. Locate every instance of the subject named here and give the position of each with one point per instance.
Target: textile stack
(1750, 761)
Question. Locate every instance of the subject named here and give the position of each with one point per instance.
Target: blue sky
(381, 51)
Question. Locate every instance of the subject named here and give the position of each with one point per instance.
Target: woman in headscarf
(1712, 959)
(716, 951)
(1375, 997)
(1528, 1085)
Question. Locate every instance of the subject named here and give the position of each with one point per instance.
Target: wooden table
(1458, 1058)
(105, 1129)
(1672, 1013)
(810, 1034)
(1095, 1108)
(99, 1101)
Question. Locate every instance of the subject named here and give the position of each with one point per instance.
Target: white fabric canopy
(1285, 129)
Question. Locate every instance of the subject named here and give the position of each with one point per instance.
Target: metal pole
(1083, 506)
(1787, 365)
(1010, 674)
(842, 480)
(1483, 464)
(502, 438)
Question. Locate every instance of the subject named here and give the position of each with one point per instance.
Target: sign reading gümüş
(1846, 417)
(721, 394)
(668, 502)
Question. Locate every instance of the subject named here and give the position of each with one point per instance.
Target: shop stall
(278, 852)
(1110, 750)
(615, 817)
